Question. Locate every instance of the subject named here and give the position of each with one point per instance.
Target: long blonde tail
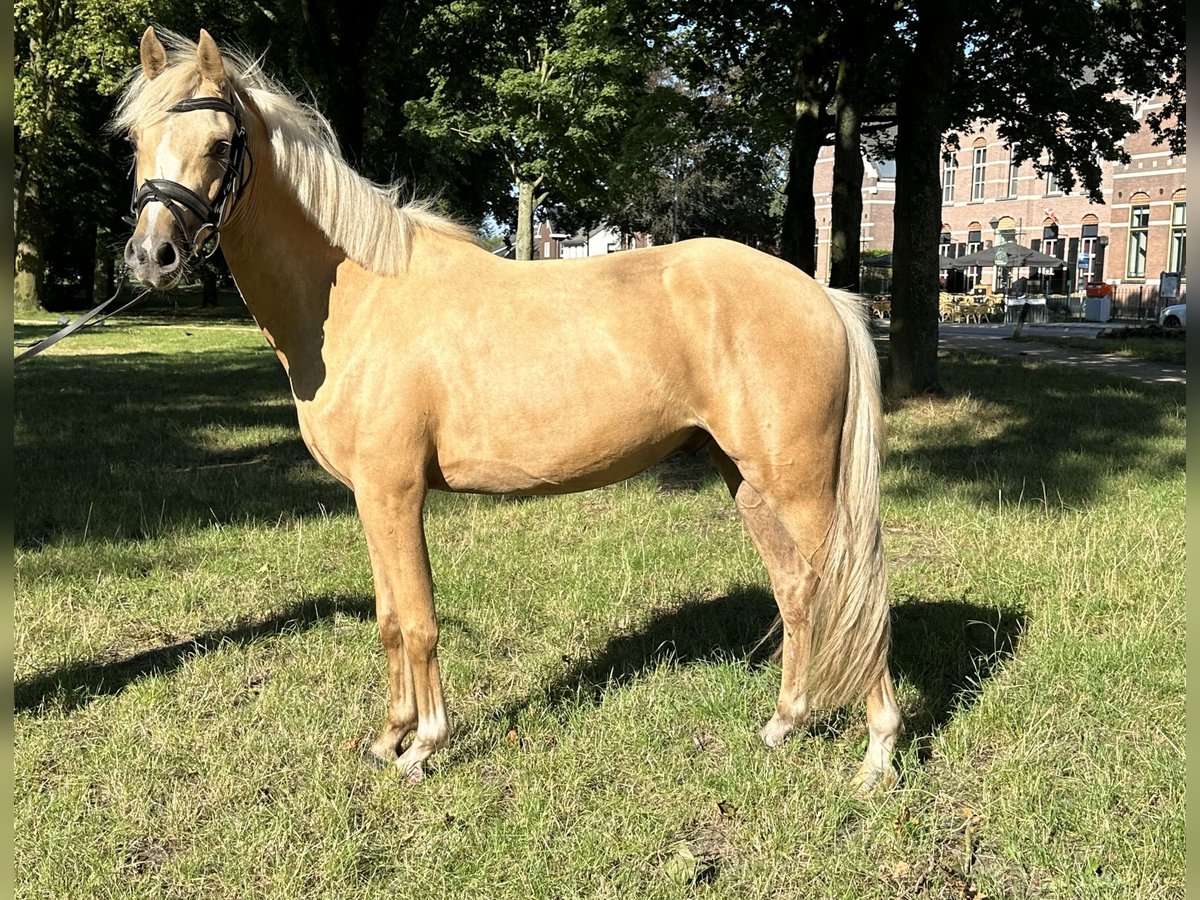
(850, 617)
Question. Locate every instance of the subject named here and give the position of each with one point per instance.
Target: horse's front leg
(407, 625)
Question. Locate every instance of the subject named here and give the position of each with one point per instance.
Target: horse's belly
(554, 465)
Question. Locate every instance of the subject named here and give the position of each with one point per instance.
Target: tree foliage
(680, 119)
(549, 87)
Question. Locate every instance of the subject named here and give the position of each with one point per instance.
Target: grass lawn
(1170, 350)
(196, 657)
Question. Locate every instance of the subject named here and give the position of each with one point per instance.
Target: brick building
(1139, 231)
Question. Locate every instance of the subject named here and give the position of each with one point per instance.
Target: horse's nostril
(134, 254)
(164, 255)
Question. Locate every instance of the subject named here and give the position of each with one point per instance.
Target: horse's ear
(154, 55)
(208, 59)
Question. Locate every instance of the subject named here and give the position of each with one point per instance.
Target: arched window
(1051, 243)
(974, 242)
(1014, 169)
(949, 173)
(978, 168)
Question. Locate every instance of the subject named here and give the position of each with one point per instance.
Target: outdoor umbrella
(1010, 254)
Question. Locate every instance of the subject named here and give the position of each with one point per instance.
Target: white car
(1174, 316)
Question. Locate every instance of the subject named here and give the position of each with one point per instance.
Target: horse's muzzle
(156, 263)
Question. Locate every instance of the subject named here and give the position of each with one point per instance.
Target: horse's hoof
(414, 774)
(371, 758)
(775, 732)
(868, 782)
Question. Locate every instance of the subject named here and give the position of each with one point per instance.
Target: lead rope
(84, 321)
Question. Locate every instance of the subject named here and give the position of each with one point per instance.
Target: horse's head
(185, 125)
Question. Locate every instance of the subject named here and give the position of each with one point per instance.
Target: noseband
(176, 198)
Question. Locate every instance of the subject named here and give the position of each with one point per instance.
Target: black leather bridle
(176, 198)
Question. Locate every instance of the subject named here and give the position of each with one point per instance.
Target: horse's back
(556, 376)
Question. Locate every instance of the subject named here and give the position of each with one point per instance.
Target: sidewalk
(995, 340)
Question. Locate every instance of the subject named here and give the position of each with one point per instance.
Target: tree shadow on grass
(1055, 433)
(78, 684)
(127, 446)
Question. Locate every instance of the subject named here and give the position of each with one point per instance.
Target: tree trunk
(524, 244)
(30, 275)
(341, 39)
(797, 242)
(922, 117)
(845, 218)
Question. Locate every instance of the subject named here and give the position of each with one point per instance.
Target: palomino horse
(418, 360)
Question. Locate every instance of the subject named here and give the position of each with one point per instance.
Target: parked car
(1174, 316)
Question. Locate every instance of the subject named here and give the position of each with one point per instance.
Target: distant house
(598, 241)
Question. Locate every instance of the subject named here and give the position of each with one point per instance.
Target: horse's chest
(325, 443)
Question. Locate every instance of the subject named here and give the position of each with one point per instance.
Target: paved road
(994, 340)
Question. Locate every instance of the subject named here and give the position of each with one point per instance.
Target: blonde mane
(366, 220)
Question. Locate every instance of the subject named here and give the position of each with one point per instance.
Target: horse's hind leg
(794, 581)
(407, 626)
(883, 723)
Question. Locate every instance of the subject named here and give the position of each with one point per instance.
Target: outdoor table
(1012, 309)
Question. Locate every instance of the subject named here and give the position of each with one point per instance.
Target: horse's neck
(284, 266)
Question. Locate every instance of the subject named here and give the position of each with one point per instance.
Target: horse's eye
(219, 149)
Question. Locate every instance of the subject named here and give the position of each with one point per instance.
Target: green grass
(1170, 349)
(196, 657)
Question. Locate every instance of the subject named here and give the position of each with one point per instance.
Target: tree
(864, 100)
(970, 60)
(64, 53)
(779, 62)
(550, 88)
(922, 113)
(693, 164)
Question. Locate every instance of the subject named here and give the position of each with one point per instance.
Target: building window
(1178, 257)
(978, 172)
(1051, 179)
(1139, 237)
(1014, 168)
(949, 173)
(1089, 231)
(974, 243)
(1050, 238)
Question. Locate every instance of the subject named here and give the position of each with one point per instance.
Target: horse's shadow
(944, 650)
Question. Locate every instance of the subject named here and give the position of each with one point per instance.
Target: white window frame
(978, 173)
